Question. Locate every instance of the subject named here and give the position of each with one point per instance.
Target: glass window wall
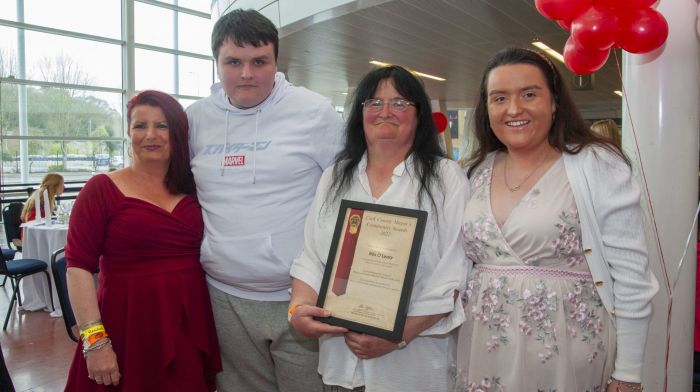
(65, 78)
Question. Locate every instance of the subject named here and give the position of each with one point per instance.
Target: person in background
(560, 293)
(54, 185)
(391, 157)
(609, 130)
(149, 325)
(258, 146)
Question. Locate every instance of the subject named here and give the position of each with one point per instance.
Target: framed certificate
(370, 269)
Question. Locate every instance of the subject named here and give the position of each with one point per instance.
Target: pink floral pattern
(568, 244)
(482, 233)
(481, 182)
(490, 310)
(582, 306)
(537, 309)
(533, 297)
(492, 384)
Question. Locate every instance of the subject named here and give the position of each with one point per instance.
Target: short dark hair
(569, 132)
(426, 148)
(244, 27)
(179, 178)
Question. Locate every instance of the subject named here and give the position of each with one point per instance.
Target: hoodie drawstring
(223, 156)
(255, 142)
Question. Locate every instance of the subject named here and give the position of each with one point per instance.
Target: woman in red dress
(148, 326)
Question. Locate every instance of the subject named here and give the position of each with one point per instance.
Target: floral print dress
(534, 319)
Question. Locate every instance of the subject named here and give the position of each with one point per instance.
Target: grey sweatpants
(260, 352)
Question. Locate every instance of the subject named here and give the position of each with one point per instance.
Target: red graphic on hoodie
(234, 160)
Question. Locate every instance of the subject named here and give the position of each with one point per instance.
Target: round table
(39, 242)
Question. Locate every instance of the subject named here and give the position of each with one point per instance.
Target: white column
(662, 91)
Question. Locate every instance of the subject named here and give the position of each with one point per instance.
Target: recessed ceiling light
(425, 75)
(548, 50)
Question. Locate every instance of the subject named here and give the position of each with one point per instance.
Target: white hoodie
(256, 192)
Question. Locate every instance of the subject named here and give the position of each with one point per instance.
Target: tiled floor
(36, 347)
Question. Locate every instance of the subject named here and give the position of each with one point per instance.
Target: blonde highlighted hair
(608, 129)
(50, 183)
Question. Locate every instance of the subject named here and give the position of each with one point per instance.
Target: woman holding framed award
(391, 159)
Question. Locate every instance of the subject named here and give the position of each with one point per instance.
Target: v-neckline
(527, 194)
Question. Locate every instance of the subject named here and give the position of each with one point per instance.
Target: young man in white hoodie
(258, 147)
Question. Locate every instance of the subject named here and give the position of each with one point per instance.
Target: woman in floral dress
(559, 298)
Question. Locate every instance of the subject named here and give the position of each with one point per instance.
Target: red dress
(152, 292)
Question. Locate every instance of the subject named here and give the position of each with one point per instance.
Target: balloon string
(685, 251)
(667, 282)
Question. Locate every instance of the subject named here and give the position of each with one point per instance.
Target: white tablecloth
(39, 243)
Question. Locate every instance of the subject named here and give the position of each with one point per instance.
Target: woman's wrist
(291, 310)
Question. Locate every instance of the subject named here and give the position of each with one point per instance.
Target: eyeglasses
(395, 105)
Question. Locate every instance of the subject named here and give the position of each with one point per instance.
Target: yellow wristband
(91, 330)
(291, 310)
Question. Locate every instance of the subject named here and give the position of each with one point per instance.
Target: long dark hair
(425, 149)
(569, 132)
(179, 178)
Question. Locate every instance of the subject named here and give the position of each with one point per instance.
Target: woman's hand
(302, 320)
(102, 366)
(623, 386)
(367, 346)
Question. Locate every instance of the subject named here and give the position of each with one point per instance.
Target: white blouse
(425, 364)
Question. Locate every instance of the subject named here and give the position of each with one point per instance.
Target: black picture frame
(395, 332)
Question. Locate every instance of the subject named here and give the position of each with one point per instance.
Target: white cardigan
(612, 233)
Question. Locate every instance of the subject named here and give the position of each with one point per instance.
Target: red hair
(179, 178)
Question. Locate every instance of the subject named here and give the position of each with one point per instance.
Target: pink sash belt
(533, 271)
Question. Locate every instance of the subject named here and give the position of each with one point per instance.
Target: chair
(18, 269)
(9, 253)
(58, 268)
(12, 219)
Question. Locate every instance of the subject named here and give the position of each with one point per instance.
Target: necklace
(517, 187)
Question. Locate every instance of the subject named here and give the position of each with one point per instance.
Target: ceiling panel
(448, 38)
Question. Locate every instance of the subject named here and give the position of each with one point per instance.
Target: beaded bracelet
(629, 386)
(100, 344)
(90, 324)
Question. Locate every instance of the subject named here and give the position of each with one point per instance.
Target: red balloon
(610, 3)
(625, 3)
(583, 61)
(440, 121)
(596, 28)
(638, 3)
(641, 30)
(564, 24)
(562, 9)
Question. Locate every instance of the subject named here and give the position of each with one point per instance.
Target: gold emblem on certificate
(371, 266)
